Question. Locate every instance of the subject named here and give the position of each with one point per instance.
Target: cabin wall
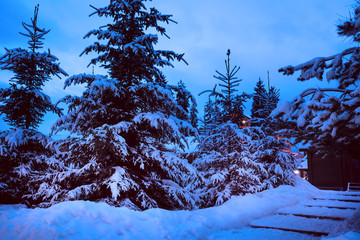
(333, 172)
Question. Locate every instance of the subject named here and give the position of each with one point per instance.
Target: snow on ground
(347, 236)
(89, 220)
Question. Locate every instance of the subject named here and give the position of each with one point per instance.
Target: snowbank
(89, 220)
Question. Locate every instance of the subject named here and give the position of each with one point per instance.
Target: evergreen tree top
(34, 32)
(23, 103)
(259, 85)
(125, 48)
(229, 78)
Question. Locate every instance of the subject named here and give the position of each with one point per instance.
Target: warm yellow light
(296, 171)
(243, 121)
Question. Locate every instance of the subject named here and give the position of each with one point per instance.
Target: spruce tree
(23, 149)
(264, 102)
(128, 52)
(230, 82)
(231, 105)
(270, 100)
(23, 103)
(211, 116)
(126, 124)
(258, 101)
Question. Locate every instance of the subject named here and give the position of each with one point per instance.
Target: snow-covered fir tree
(23, 106)
(329, 117)
(124, 126)
(237, 161)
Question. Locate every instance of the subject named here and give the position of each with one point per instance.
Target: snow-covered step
(317, 212)
(343, 194)
(332, 204)
(350, 194)
(340, 198)
(352, 186)
(249, 233)
(316, 227)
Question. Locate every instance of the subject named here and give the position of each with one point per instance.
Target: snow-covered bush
(237, 161)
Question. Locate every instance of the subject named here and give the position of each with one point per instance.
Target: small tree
(258, 101)
(182, 99)
(230, 82)
(23, 103)
(270, 99)
(22, 148)
(264, 101)
(231, 105)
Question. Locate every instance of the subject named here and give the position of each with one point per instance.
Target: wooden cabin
(333, 172)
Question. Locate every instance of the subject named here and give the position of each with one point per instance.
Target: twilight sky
(262, 35)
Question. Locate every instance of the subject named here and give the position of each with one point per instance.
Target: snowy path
(310, 219)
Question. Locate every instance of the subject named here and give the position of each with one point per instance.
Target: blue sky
(262, 35)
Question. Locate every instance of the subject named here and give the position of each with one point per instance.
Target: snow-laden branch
(310, 91)
(316, 66)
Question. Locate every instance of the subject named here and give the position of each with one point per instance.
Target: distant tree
(231, 105)
(264, 101)
(230, 82)
(258, 101)
(212, 115)
(270, 99)
(329, 118)
(23, 148)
